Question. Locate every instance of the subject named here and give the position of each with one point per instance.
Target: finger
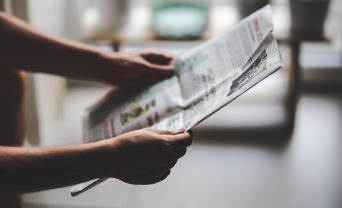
(161, 68)
(157, 57)
(182, 130)
(167, 132)
(160, 52)
(156, 73)
(171, 154)
(165, 175)
(158, 178)
(148, 178)
(181, 139)
(180, 152)
(171, 164)
(154, 51)
(191, 132)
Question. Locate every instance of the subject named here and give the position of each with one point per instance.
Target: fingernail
(191, 132)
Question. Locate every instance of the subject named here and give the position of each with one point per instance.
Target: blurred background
(278, 145)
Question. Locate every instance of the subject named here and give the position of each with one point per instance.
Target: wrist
(113, 65)
(105, 157)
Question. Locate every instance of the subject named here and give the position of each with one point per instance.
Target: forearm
(25, 48)
(32, 169)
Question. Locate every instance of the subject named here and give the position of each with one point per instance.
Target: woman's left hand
(139, 68)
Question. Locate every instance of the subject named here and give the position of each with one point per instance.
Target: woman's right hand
(145, 156)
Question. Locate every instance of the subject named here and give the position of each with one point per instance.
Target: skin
(139, 157)
(22, 47)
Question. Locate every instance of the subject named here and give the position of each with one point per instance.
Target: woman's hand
(145, 156)
(23, 47)
(139, 157)
(138, 68)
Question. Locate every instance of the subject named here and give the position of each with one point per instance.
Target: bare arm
(25, 48)
(31, 169)
(139, 157)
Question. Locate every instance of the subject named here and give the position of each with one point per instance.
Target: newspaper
(207, 78)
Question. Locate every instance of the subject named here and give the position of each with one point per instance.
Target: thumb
(169, 68)
(158, 72)
(182, 139)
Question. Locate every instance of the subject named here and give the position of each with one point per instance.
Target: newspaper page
(208, 77)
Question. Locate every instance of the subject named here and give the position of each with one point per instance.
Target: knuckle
(164, 141)
(147, 134)
(190, 141)
(155, 180)
(165, 145)
(182, 152)
(172, 164)
(169, 132)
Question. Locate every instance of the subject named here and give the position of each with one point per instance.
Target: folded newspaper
(207, 78)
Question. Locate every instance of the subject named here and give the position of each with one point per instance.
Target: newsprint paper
(207, 78)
